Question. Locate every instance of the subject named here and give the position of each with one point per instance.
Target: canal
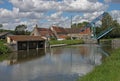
(56, 64)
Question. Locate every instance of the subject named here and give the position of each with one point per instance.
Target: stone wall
(115, 43)
(80, 36)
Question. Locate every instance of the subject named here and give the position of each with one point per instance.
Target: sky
(46, 13)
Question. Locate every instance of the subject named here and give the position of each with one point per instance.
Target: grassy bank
(108, 71)
(3, 57)
(3, 50)
(68, 42)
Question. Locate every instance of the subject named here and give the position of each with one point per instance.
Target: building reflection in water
(84, 51)
(62, 64)
(24, 56)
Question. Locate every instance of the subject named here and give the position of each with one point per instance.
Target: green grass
(3, 57)
(108, 71)
(68, 42)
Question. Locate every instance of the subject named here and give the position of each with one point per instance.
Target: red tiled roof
(87, 31)
(62, 36)
(73, 30)
(77, 31)
(44, 31)
(59, 30)
(25, 38)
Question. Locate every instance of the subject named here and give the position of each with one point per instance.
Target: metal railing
(104, 32)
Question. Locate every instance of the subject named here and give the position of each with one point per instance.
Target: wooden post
(27, 45)
(45, 45)
(16, 45)
(37, 45)
(98, 41)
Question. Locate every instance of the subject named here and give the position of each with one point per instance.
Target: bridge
(93, 28)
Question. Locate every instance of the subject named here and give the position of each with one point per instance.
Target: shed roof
(3, 33)
(26, 38)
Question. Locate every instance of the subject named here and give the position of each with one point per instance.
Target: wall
(115, 43)
(35, 32)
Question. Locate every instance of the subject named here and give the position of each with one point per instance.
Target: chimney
(36, 26)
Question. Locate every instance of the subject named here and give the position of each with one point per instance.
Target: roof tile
(25, 38)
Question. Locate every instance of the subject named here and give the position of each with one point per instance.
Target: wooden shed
(24, 42)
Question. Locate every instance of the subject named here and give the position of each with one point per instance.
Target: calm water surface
(58, 64)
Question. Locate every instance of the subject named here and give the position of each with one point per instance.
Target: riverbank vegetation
(3, 50)
(3, 57)
(108, 22)
(68, 42)
(108, 71)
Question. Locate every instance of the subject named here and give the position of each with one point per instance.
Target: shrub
(3, 48)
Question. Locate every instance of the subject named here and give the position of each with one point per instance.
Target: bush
(3, 49)
(52, 38)
(68, 38)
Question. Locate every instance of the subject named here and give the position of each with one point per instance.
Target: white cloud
(82, 6)
(57, 18)
(116, 15)
(11, 25)
(33, 12)
(56, 15)
(34, 5)
(88, 17)
(91, 16)
(13, 18)
(4, 13)
(65, 5)
(8, 15)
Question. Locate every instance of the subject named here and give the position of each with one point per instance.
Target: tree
(20, 29)
(83, 24)
(116, 31)
(107, 22)
(74, 25)
(1, 25)
(79, 25)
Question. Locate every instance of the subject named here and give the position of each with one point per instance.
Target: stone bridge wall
(115, 43)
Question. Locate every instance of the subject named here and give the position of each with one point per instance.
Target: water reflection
(62, 64)
(24, 56)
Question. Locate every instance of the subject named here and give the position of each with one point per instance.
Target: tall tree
(108, 21)
(74, 25)
(116, 31)
(1, 25)
(20, 29)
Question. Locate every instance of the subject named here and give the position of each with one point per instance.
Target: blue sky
(54, 12)
(114, 6)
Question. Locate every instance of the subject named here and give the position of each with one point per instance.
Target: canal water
(56, 64)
